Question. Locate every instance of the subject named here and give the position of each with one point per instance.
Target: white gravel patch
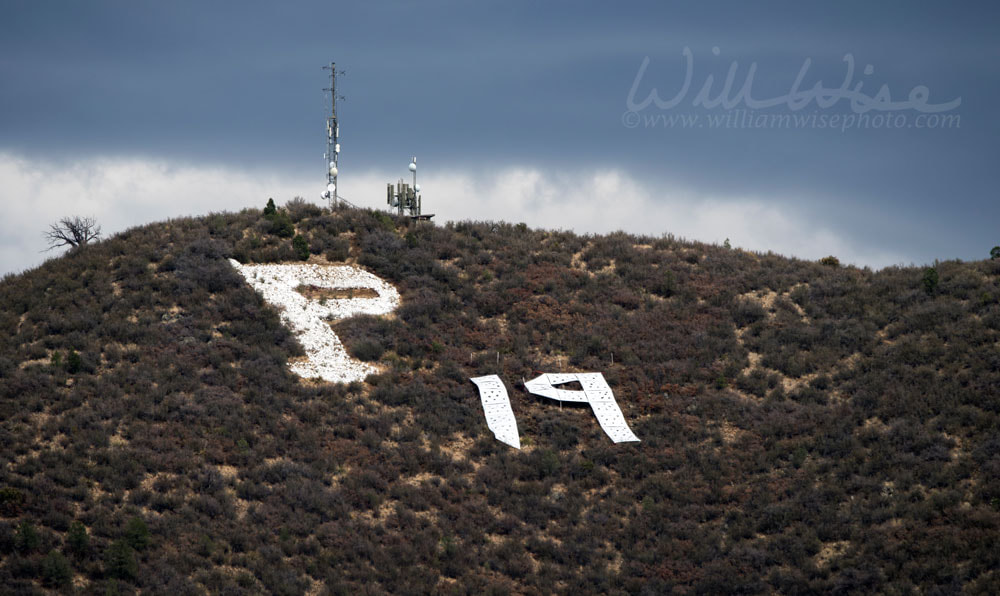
(309, 320)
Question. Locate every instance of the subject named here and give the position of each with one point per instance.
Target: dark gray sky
(483, 91)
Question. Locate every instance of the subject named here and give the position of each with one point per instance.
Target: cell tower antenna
(405, 198)
(332, 155)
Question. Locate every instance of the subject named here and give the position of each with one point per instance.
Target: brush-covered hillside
(805, 427)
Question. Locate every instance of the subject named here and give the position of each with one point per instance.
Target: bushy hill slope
(805, 428)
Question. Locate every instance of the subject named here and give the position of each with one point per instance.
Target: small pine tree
(137, 533)
(930, 279)
(11, 501)
(270, 210)
(77, 539)
(56, 570)
(74, 363)
(830, 261)
(995, 253)
(26, 538)
(119, 561)
(301, 247)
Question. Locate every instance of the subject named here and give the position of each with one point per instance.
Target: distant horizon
(186, 180)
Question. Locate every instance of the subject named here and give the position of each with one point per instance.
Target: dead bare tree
(73, 231)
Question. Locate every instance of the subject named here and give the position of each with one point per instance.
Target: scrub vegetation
(806, 427)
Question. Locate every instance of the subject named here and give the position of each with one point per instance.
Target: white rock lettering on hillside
(309, 318)
(496, 405)
(596, 392)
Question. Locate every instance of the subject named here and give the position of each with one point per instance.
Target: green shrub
(77, 539)
(384, 221)
(26, 538)
(368, 351)
(281, 225)
(339, 249)
(830, 261)
(301, 247)
(11, 501)
(665, 285)
(548, 463)
(119, 561)
(299, 209)
(74, 363)
(930, 279)
(56, 570)
(137, 533)
(747, 312)
(995, 252)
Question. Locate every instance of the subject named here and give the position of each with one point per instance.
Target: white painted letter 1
(496, 405)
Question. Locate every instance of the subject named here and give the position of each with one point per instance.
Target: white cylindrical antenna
(413, 168)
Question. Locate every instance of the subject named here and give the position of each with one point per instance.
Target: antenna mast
(405, 198)
(332, 154)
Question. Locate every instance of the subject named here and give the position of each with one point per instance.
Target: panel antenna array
(406, 198)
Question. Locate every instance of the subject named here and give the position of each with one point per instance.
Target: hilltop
(804, 427)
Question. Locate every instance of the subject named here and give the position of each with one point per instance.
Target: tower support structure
(332, 155)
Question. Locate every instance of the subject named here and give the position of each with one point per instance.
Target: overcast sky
(865, 130)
